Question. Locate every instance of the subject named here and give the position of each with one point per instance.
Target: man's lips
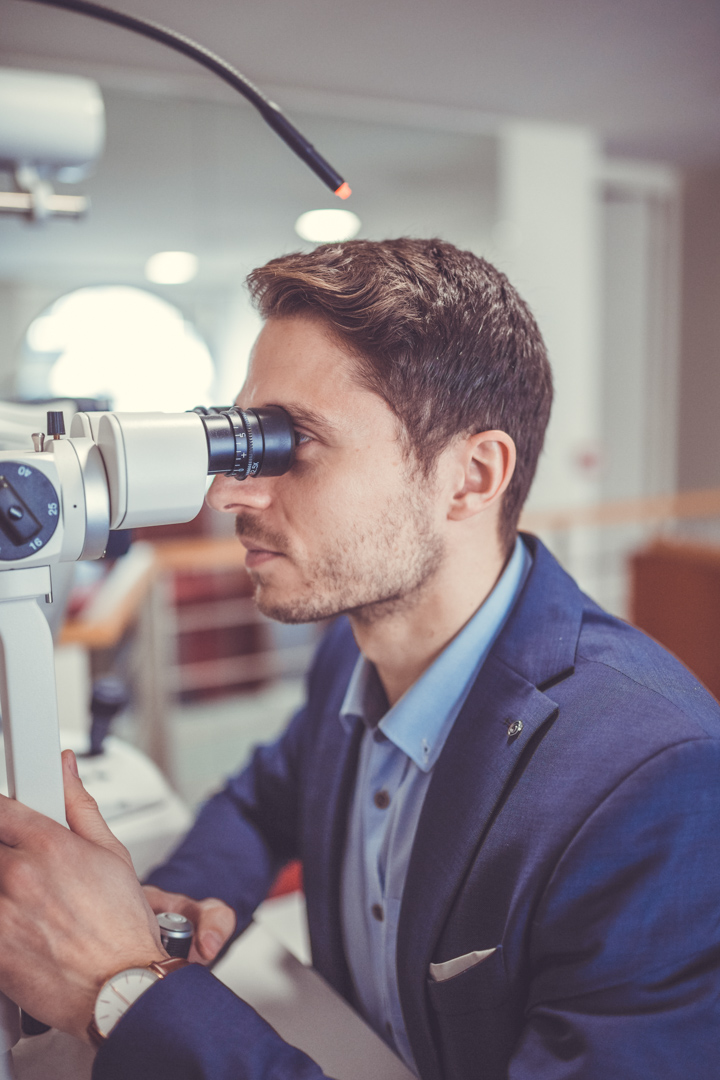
(257, 555)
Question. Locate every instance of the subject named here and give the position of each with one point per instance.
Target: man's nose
(230, 495)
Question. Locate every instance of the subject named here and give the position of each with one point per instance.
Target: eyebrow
(307, 418)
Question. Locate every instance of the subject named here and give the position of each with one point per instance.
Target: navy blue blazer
(571, 824)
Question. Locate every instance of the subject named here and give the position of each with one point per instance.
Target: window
(119, 343)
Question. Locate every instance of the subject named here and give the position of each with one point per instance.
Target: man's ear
(485, 464)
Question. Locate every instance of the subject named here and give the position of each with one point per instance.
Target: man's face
(352, 527)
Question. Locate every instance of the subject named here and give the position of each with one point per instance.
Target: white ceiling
(402, 97)
(210, 177)
(644, 73)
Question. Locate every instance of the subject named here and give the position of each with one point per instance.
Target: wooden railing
(118, 600)
(685, 505)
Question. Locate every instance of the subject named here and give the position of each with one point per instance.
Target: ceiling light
(171, 267)
(327, 226)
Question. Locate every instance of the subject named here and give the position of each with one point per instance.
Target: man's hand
(72, 912)
(213, 920)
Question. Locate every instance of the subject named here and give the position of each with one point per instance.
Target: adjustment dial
(29, 510)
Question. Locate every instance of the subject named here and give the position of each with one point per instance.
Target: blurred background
(575, 144)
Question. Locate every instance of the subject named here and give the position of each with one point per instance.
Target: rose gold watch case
(161, 968)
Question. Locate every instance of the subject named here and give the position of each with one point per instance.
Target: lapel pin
(515, 728)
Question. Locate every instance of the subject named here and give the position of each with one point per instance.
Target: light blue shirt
(398, 751)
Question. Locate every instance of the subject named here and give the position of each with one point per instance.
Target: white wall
(549, 245)
(699, 436)
(641, 297)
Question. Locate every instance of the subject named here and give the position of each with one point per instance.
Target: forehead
(297, 359)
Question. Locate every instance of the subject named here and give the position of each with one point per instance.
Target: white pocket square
(446, 970)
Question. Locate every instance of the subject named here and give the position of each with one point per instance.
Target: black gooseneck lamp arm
(269, 111)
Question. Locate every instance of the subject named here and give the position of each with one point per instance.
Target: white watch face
(118, 994)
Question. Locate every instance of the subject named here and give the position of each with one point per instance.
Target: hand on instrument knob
(213, 920)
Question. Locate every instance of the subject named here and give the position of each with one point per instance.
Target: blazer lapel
(502, 714)
(469, 778)
(332, 768)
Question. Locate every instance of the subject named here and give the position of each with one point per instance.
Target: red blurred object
(289, 880)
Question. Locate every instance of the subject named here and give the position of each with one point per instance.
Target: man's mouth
(260, 549)
(257, 555)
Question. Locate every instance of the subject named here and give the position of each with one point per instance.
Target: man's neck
(403, 644)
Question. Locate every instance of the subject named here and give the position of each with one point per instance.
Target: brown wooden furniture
(675, 597)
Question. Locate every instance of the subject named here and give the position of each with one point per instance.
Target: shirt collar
(420, 721)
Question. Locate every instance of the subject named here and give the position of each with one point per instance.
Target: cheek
(325, 497)
(330, 509)
(368, 504)
(317, 481)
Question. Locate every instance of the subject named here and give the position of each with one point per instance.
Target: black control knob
(31, 1026)
(176, 933)
(17, 520)
(109, 697)
(29, 509)
(55, 424)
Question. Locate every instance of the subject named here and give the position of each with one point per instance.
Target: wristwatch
(121, 990)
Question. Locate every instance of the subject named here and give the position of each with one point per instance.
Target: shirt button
(377, 912)
(381, 799)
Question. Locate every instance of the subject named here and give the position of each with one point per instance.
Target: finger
(82, 812)
(11, 823)
(159, 900)
(213, 929)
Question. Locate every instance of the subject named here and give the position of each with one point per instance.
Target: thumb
(82, 812)
(216, 923)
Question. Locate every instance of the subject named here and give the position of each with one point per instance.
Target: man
(506, 802)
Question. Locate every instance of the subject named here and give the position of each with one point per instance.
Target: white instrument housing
(50, 121)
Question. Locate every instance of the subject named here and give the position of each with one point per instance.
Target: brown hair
(439, 333)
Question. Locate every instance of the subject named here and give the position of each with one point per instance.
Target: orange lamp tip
(344, 191)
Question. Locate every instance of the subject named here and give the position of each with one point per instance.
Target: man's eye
(301, 438)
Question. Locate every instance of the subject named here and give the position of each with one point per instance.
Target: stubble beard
(370, 573)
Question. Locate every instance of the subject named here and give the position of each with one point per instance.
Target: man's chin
(290, 615)
(284, 608)
(309, 605)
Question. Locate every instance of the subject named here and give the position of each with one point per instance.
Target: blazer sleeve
(189, 1026)
(625, 943)
(244, 834)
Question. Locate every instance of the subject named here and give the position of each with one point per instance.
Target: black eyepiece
(248, 443)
